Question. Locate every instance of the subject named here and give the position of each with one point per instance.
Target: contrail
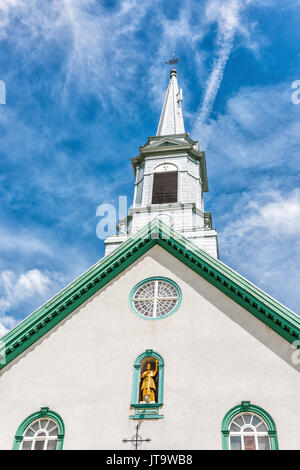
(214, 82)
(227, 17)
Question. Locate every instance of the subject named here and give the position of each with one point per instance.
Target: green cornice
(259, 304)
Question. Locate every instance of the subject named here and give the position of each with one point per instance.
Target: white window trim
(254, 431)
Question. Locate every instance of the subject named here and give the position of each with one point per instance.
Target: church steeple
(171, 119)
(170, 179)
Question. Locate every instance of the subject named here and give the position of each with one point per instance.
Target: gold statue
(148, 386)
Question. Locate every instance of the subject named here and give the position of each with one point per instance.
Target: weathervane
(137, 439)
(173, 60)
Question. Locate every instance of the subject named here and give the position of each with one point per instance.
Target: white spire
(171, 119)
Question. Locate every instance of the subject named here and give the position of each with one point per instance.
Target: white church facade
(159, 333)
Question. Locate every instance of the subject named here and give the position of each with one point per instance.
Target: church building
(159, 345)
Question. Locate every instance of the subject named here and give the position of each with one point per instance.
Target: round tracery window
(155, 298)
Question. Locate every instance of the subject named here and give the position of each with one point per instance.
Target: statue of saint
(148, 386)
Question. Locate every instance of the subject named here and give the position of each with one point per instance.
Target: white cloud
(3, 329)
(15, 289)
(279, 217)
(260, 128)
(6, 323)
(253, 167)
(262, 241)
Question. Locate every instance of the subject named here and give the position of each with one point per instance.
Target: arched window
(43, 430)
(248, 427)
(165, 184)
(148, 383)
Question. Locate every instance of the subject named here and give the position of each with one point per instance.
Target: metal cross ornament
(173, 60)
(136, 440)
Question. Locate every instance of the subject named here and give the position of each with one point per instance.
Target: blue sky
(85, 81)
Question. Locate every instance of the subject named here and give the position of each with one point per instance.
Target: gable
(269, 311)
(165, 142)
(215, 353)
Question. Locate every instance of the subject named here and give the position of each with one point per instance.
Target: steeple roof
(171, 119)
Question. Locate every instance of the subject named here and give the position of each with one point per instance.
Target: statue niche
(148, 388)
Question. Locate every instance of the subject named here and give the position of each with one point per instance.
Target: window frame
(254, 431)
(44, 413)
(244, 408)
(158, 172)
(147, 410)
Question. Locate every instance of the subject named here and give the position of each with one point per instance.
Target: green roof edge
(275, 315)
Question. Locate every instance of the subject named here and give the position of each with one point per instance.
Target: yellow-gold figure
(148, 386)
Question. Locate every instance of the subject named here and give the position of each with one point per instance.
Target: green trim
(43, 413)
(247, 407)
(273, 314)
(147, 410)
(149, 279)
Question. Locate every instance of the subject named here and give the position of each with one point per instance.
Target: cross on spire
(136, 440)
(173, 61)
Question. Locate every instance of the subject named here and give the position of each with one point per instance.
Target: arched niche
(147, 408)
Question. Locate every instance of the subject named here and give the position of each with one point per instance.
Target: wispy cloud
(259, 129)
(90, 41)
(256, 200)
(262, 238)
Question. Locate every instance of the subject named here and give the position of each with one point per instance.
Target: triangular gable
(282, 320)
(166, 142)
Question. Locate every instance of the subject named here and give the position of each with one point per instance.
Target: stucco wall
(216, 354)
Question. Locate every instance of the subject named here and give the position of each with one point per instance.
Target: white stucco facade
(216, 354)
